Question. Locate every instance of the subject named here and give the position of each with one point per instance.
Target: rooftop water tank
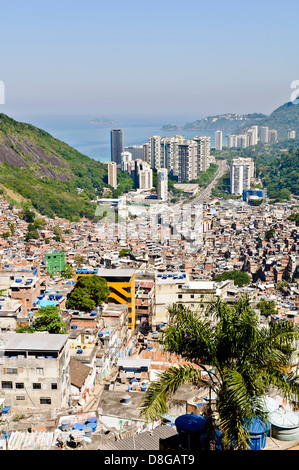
(126, 400)
(284, 425)
(258, 430)
(65, 425)
(190, 427)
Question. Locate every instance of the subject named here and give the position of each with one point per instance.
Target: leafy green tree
(269, 234)
(28, 215)
(47, 319)
(267, 307)
(88, 293)
(240, 278)
(245, 359)
(68, 271)
(5, 235)
(123, 252)
(32, 235)
(39, 223)
(295, 217)
(80, 300)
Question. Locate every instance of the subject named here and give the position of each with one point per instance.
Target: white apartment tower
(163, 184)
(218, 140)
(264, 134)
(292, 135)
(242, 170)
(203, 152)
(187, 160)
(272, 135)
(154, 151)
(112, 174)
(125, 158)
(146, 179)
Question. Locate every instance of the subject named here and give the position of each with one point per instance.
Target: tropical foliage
(88, 293)
(242, 359)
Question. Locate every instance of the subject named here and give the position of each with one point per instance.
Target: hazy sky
(166, 57)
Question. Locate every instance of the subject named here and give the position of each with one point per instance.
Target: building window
(20, 397)
(19, 385)
(36, 386)
(40, 371)
(11, 370)
(192, 296)
(6, 384)
(45, 401)
(54, 386)
(180, 296)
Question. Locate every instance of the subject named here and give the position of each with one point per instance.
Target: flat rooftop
(33, 342)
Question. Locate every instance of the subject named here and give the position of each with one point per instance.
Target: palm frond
(154, 403)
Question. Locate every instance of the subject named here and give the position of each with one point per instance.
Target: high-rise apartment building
(218, 140)
(125, 158)
(163, 184)
(154, 151)
(242, 170)
(142, 174)
(181, 157)
(146, 178)
(136, 151)
(203, 152)
(117, 145)
(272, 134)
(292, 135)
(187, 160)
(264, 134)
(232, 140)
(145, 152)
(112, 174)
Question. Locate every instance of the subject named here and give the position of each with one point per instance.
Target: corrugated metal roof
(147, 440)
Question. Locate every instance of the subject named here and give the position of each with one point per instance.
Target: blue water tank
(78, 426)
(79, 351)
(92, 419)
(74, 327)
(190, 422)
(258, 430)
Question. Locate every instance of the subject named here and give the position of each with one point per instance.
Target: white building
(203, 152)
(272, 134)
(165, 152)
(242, 170)
(173, 288)
(35, 370)
(292, 135)
(218, 140)
(163, 184)
(125, 158)
(146, 178)
(136, 151)
(187, 160)
(264, 134)
(112, 174)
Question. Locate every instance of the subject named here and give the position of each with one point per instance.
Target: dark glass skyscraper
(117, 145)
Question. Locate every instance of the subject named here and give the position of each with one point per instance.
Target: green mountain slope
(54, 177)
(280, 175)
(283, 119)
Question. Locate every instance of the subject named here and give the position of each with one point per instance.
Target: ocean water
(93, 140)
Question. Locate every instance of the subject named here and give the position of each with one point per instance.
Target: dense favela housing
(85, 383)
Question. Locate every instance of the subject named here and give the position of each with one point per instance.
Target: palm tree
(242, 358)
